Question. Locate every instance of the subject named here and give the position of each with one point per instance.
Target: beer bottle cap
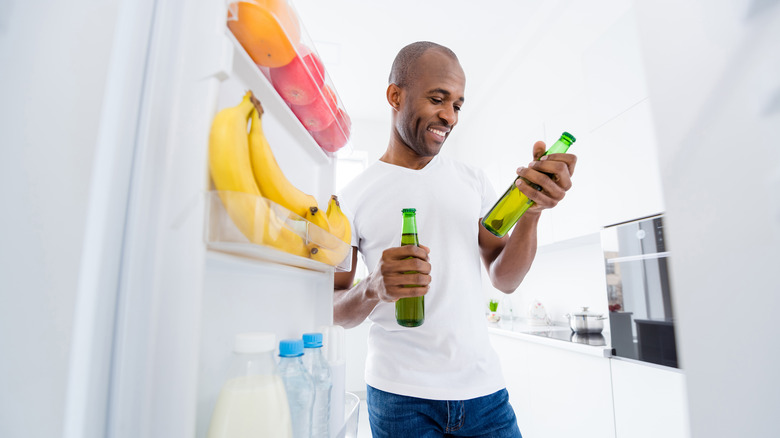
(408, 210)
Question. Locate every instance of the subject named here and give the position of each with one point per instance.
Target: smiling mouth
(440, 133)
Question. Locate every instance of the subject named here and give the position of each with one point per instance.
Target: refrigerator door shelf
(286, 56)
(255, 227)
(351, 411)
(247, 76)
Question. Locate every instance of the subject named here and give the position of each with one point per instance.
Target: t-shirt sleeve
(488, 194)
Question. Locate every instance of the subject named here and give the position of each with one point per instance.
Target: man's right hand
(399, 268)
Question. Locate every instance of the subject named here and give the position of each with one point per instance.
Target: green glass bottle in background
(410, 312)
(508, 209)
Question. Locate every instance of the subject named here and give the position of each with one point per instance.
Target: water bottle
(333, 348)
(299, 386)
(319, 369)
(253, 400)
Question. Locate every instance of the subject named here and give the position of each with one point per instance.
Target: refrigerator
(124, 324)
(713, 75)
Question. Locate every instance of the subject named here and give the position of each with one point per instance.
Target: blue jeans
(399, 416)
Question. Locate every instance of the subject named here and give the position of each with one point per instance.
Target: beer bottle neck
(409, 230)
(562, 145)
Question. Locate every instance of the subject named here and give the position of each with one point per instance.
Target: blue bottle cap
(290, 348)
(312, 340)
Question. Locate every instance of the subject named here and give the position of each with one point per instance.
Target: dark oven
(641, 318)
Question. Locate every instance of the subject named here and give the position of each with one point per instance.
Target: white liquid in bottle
(251, 406)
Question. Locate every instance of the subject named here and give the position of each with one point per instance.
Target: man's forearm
(514, 261)
(352, 306)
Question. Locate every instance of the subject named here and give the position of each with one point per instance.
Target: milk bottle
(253, 401)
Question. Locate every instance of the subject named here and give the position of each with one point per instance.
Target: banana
(270, 178)
(231, 169)
(317, 217)
(280, 236)
(331, 256)
(339, 224)
(330, 246)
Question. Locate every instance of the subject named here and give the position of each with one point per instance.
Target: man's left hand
(547, 179)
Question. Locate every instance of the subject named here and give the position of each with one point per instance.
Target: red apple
(335, 136)
(317, 115)
(300, 81)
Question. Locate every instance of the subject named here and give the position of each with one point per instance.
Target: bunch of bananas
(245, 174)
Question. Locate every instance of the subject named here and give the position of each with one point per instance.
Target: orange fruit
(267, 29)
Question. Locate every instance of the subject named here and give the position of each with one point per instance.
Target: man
(442, 377)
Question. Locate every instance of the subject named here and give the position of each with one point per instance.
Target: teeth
(437, 132)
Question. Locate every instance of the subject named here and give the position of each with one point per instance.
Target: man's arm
(351, 305)
(387, 283)
(508, 259)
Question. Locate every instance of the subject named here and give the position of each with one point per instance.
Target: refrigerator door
(73, 75)
(156, 311)
(714, 76)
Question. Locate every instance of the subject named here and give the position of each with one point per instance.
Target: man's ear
(394, 96)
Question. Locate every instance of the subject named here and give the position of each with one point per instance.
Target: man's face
(430, 103)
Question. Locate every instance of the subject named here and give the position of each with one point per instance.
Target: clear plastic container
(251, 225)
(318, 367)
(253, 400)
(299, 386)
(275, 39)
(351, 413)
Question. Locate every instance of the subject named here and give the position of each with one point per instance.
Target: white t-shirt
(449, 357)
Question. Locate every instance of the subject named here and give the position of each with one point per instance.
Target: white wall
(371, 137)
(581, 72)
(52, 97)
(565, 276)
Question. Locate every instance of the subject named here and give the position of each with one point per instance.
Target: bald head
(403, 65)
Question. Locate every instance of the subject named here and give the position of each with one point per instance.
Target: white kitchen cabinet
(556, 392)
(516, 368)
(599, 95)
(617, 177)
(649, 401)
(614, 71)
(615, 181)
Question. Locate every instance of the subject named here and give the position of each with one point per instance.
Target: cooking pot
(585, 321)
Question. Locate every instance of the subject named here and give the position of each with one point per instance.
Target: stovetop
(594, 339)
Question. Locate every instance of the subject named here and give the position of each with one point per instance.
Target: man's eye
(436, 100)
(457, 108)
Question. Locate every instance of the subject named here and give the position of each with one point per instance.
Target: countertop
(558, 336)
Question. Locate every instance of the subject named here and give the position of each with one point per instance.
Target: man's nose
(449, 116)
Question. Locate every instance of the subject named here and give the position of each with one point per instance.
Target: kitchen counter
(554, 336)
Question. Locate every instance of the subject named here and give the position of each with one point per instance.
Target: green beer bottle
(410, 312)
(508, 209)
